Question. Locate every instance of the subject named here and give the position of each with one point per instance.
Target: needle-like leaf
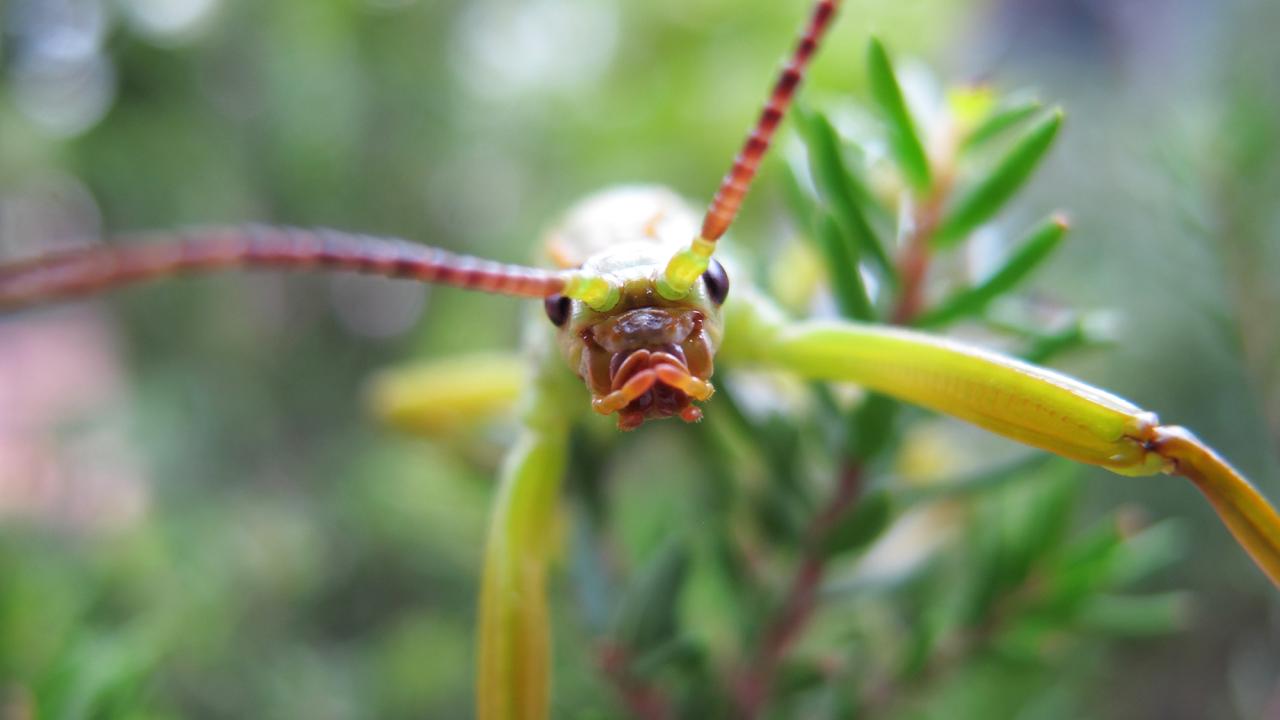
(1002, 119)
(1043, 348)
(990, 193)
(1136, 615)
(904, 140)
(842, 264)
(840, 186)
(871, 426)
(1040, 346)
(1030, 253)
(859, 528)
(648, 614)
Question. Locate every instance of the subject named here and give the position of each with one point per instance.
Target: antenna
(689, 263)
(82, 271)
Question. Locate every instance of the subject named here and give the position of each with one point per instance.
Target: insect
(640, 310)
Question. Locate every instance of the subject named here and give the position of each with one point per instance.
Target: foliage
(814, 581)
(269, 554)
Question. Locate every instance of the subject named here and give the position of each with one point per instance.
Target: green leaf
(104, 674)
(1084, 568)
(798, 200)
(985, 198)
(1150, 551)
(1040, 346)
(1044, 518)
(904, 141)
(681, 650)
(728, 559)
(1031, 252)
(798, 675)
(842, 267)
(783, 442)
(871, 426)
(1015, 532)
(781, 515)
(1142, 615)
(862, 526)
(1044, 348)
(1107, 558)
(977, 483)
(648, 614)
(840, 186)
(925, 634)
(770, 444)
(999, 121)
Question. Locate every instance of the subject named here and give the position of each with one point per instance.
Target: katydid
(640, 310)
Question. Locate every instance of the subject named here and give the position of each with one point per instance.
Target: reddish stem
(913, 263)
(643, 700)
(754, 685)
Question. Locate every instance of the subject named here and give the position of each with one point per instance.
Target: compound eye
(717, 282)
(558, 308)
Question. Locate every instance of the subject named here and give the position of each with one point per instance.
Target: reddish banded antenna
(79, 272)
(688, 264)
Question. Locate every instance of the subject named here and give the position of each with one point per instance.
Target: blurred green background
(198, 520)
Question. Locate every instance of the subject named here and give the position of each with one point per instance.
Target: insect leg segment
(1030, 404)
(1033, 405)
(684, 269)
(514, 661)
(514, 673)
(1245, 512)
(83, 271)
(435, 397)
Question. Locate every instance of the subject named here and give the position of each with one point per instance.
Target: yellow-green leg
(513, 678)
(1029, 404)
(1245, 511)
(514, 669)
(439, 396)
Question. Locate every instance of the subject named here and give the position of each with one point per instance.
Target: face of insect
(650, 353)
(646, 357)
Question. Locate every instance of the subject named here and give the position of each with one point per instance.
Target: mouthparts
(652, 384)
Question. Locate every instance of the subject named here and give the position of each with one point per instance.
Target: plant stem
(954, 651)
(641, 699)
(754, 684)
(913, 263)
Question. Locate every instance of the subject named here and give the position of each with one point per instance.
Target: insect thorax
(641, 214)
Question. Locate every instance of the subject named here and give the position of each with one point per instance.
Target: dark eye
(717, 282)
(558, 308)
